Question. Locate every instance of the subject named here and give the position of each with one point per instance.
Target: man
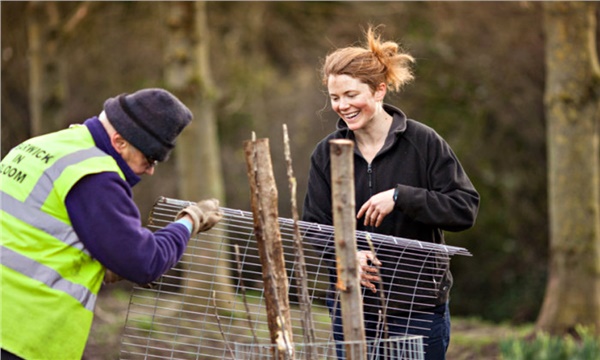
(69, 221)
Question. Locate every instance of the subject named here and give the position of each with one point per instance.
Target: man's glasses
(151, 162)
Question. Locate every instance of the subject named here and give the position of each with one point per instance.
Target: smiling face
(354, 101)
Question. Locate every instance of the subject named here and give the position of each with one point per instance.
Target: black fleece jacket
(434, 192)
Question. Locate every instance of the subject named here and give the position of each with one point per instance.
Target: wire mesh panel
(212, 302)
(406, 347)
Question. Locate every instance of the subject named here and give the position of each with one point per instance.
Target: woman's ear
(380, 91)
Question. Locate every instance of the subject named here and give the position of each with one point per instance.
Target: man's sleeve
(107, 221)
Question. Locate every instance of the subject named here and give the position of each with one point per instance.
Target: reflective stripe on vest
(41, 220)
(45, 184)
(46, 275)
(37, 197)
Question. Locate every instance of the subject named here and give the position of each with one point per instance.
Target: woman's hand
(377, 208)
(367, 263)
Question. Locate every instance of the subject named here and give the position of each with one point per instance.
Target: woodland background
(480, 77)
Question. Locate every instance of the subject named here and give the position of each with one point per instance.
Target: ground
(471, 338)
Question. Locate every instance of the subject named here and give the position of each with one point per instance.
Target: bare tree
(572, 100)
(47, 32)
(188, 75)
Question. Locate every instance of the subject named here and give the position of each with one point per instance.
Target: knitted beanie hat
(150, 119)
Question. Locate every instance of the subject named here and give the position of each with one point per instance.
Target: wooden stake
(344, 221)
(268, 237)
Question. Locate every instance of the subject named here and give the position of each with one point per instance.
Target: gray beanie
(150, 119)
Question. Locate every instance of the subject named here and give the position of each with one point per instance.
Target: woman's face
(354, 101)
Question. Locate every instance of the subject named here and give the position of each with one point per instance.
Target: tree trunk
(572, 101)
(188, 75)
(47, 33)
(47, 75)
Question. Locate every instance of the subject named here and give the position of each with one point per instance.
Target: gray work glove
(205, 214)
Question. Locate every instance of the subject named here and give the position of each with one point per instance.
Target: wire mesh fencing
(211, 305)
(405, 347)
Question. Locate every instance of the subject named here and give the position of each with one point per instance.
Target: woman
(408, 182)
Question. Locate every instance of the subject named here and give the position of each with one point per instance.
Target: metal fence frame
(177, 318)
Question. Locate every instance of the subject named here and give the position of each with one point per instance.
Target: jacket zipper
(369, 176)
(370, 182)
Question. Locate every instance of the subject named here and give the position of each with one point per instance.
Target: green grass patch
(584, 345)
(473, 338)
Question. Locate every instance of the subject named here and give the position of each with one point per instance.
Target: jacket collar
(103, 143)
(398, 124)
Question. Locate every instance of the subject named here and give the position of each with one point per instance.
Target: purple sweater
(107, 221)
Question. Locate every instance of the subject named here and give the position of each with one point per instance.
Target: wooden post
(268, 238)
(344, 221)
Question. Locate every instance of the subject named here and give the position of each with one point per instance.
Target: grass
(582, 345)
(473, 338)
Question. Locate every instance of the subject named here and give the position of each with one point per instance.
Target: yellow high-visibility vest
(49, 281)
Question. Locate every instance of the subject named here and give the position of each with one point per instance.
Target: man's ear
(118, 142)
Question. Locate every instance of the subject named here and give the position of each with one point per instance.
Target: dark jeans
(434, 326)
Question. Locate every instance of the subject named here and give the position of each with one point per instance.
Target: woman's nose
(343, 104)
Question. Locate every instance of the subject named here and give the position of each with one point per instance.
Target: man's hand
(204, 215)
(111, 277)
(367, 263)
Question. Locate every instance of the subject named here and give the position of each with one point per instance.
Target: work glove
(205, 214)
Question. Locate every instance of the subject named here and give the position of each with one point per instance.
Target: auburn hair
(374, 63)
